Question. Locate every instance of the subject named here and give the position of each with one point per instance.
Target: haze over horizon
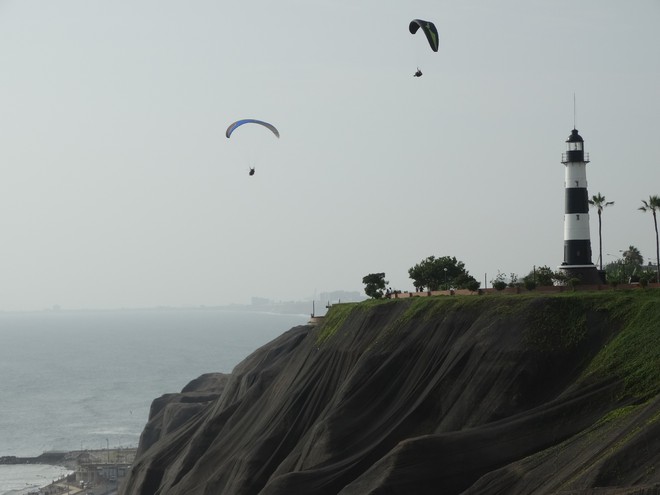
(120, 189)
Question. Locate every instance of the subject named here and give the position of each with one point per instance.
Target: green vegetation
(557, 322)
(634, 353)
(441, 273)
(499, 282)
(630, 268)
(426, 308)
(616, 415)
(598, 202)
(543, 275)
(653, 205)
(374, 285)
(334, 319)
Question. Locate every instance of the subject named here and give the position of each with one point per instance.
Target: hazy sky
(119, 188)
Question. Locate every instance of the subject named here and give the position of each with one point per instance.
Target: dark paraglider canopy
(429, 30)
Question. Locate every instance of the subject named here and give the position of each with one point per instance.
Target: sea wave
(19, 479)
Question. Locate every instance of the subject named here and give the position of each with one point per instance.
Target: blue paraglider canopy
(239, 123)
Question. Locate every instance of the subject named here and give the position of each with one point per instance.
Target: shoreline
(102, 469)
(32, 479)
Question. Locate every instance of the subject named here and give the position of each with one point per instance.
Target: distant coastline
(54, 458)
(317, 305)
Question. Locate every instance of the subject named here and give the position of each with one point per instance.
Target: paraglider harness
(418, 73)
(251, 171)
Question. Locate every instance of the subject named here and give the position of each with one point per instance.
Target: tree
(629, 268)
(499, 282)
(653, 205)
(374, 285)
(633, 257)
(473, 285)
(513, 280)
(540, 276)
(599, 203)
(616, 272)
(573, 282)
(446, 271)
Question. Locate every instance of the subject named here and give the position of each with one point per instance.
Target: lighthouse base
(588, 274)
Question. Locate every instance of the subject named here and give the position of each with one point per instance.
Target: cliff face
(494, 394)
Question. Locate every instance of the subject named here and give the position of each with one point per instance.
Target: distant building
(98, 468)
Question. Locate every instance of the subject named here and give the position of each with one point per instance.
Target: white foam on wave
(19, 479)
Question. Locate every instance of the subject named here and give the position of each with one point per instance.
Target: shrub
(473, 285)
(499, 282)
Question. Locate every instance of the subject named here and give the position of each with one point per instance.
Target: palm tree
(633, 256)
(653, 205)
(632, 262)
(599, 203)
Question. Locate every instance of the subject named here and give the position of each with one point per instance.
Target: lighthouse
(577, 242)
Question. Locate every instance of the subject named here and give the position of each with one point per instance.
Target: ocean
(85, 379)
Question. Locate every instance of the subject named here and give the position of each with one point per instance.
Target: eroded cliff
(494, 394)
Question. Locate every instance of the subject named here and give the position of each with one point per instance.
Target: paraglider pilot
(251, 170)
(418, 73)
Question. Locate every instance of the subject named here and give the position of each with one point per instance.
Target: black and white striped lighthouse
(577, 242)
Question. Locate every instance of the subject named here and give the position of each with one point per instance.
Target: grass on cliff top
(336, 316)
(417, 307)
(633, 354)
